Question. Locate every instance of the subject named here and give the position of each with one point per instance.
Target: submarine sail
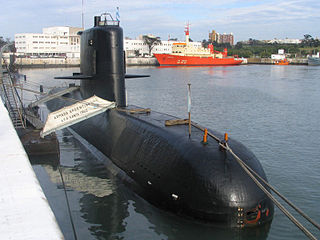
(165, 166)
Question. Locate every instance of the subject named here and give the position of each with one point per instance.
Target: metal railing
(10, 94)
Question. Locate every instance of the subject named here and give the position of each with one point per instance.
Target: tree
(307, 37)
(309, 41)
(4, 42)
(137, 53)
(151, 41)
(239, 45)
(205, 43)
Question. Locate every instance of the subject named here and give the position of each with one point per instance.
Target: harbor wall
(131, 61)
(139, 61)
(294, 61)
(47, 62)
(75, 62)
(25, 212)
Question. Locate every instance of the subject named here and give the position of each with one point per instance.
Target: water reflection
(174, 227)
(76, 180)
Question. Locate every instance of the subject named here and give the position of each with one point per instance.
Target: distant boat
(188, 55)
(281, 62)
(314, 60)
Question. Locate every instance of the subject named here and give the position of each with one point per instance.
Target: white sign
(75, 113)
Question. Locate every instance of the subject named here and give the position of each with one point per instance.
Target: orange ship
(188, 54)
(282, 62)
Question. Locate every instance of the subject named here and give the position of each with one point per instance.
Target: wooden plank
(173, 122)
(140, 110)
(135, 110)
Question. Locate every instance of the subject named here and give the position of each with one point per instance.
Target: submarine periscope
(165, 166)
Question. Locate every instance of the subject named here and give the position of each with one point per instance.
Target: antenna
(82, 20)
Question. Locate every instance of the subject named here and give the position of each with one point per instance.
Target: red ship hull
(169, 59)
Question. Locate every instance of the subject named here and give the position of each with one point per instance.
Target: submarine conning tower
(102, 61)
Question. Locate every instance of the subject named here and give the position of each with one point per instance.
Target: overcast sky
(264, 19)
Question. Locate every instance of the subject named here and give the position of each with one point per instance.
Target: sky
(262, 20)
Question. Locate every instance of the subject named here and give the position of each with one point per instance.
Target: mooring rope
(249, 171)
(284, 198)
(285, 211)
(68, 205)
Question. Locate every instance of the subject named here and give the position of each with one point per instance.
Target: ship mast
(187, 32)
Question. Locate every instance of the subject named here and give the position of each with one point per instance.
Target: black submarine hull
(168, 168)
(175, 172)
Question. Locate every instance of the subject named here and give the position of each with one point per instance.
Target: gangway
(10, 94)
(52, 96)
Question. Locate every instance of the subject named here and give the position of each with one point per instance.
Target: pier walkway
(24, 210)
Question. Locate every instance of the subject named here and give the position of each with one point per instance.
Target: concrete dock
(24, 209)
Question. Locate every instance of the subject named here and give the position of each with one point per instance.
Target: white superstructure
(138, 47)
(280, 56)
(53, 41)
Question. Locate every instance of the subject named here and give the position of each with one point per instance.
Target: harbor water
(273, 110)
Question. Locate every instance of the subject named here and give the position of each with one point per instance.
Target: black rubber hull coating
(102, 57)
(176, 173)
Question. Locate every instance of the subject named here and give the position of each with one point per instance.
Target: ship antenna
(82, 19)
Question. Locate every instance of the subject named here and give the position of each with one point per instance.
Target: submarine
(163, 164)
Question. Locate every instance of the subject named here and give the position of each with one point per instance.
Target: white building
(64, 41)
(54, 41)
(285, 41)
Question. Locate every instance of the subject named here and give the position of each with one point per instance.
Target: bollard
(205, 135)
(226, 137)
